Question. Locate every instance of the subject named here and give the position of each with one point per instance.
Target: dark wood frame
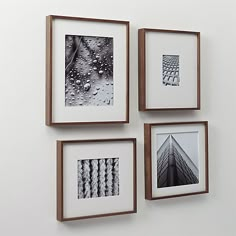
(49, 61)
(142, 68)
(60, 157)
(148, 159)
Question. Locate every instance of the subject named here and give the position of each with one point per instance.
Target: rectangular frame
(170, 42)
(115, 108)
(152, 145)
(70, 151)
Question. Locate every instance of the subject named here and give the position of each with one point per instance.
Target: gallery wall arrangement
(87, 82)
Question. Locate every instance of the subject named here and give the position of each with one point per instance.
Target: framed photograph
(169, 70)
(176, 159)
(87, 71)
(96, 178)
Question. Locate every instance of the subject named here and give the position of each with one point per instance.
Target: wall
(28, 156)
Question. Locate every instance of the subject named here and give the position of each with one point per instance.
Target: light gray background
(28, 151)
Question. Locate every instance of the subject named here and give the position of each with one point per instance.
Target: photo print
(88, 71)
(177, 159)
(98, 177)
(170, 70)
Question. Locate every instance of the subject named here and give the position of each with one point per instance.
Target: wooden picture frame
(169, 70)
(82, 77)
(96, 178)
(176, 159)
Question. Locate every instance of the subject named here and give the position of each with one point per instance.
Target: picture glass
(171, 73)
(178, 159)
(98, 178)
(89, 71)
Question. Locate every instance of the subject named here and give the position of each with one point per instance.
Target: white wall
(28, 156)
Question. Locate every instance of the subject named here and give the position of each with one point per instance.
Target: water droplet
(88, 81)
(72, 94)
(95, 68)
(107, 83)
(95, 61)
(97, 88)
(78, 81)
(99, 45)
(89, 74)
(80, 103)
(95, 92)
(100, 72)
(87, 86)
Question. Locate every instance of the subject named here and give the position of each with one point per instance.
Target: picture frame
(169, 69)
(176, 159)
(96, 178)
(82, 76)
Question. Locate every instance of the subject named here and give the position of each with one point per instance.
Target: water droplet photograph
(88, 71)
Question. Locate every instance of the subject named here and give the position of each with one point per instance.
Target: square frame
(116, 107)
(151, 90)
(153, 146)
(69, 152)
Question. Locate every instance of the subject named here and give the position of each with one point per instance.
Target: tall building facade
(174, 166)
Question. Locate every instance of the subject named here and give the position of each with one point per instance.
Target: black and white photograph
(177, 159)
(98, 177)
(88, 70)
(170, 70)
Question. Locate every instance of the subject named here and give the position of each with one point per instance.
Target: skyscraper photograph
(174, 165)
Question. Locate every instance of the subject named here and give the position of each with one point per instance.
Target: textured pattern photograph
(177, 160)
(170, 70)
(88, 71)
(98, 177)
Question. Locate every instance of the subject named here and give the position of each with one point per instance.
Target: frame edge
(147, 162)
(60, 181)
(141, 70)
(48, 101)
